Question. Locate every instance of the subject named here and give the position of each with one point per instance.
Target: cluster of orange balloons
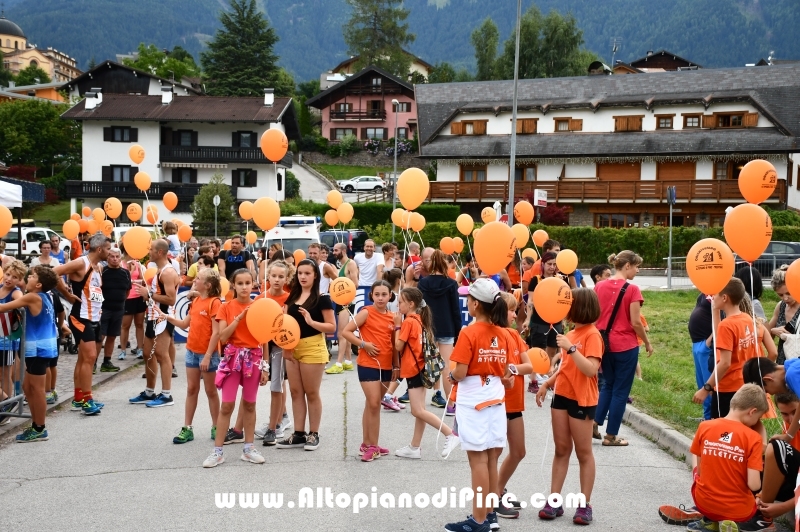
(280, 328)
(340, 210)
(412, 189)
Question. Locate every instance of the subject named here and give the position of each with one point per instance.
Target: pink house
(361, 105)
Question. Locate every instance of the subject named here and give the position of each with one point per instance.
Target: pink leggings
(230, 386)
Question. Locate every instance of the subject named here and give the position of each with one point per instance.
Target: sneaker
(469, 525)
(370, 454)
(451, 410)
(491, 518)
(121, 355)
(398, 404)
(108, 367)
(404, 398)
(140, 355)
(94, 369)
(186, 435)
(506, 513)
(409, 452)
(280, 432)
(213, 460)
(213, 433)
(90, 408)
(50, 398)
(260, 431)
(144, 375)
(438, 400)
(334, 370)
(679, 515)
(55, 395)
(233, 437)
(450, 444)
(77, 406)
(253, 456)
(294, 440)
(583, 516)
(270, 438)
(99, 405)
(312, 441)
(174, 373)
(388, 403)
(142, 398)
(514, 504)
(533, 387)
(160, 400)
(30, 435)
(704, 525)
(759, 523)
(548, 512)
(348, 366)
(382, 450)
(286, 422)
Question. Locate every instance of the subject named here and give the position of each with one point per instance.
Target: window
(678, 220)
(473, 173)
(628, 123)
(120, 134)
(402, 107)
(471, 127)
(244, 177)
(617, 221)
(344, 107)
(121, 174)
(185, 138)
(691, 121)
(728, 170)
(376, 82)
(184, 175)
(724, 121)
(526, 126)
(664, 121)
(402, 133)
(568, 124)
(34, 63)
(246, 141)
(525, 173)
(562, 124)
(720, 170)
(341, 132)
(375, 133)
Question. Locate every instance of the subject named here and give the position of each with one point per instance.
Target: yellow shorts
(312, 350)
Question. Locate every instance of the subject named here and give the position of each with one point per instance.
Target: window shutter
(528, 126)
(107, 175)
(576, 124)
(456, 128)
(166, 136)
(234, 179)
(133, 171)
(176, 175)
(750, 120)
(280, 181)
(520, 126)
(134, 134)
(253, 181)
(254, 139)
(176, 138)
(709, 121)
(193, 176)
(235, 142)
(619, 123)
(479, 127)
(364, 133)
(333, 133)
(107, 135)
(634, 123)
(194, 139)
(386, 133)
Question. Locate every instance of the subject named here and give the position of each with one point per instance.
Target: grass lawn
(669, 384)
(337, 172)
(57, 213)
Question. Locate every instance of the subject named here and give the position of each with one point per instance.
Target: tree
(284, 83)
(463, 75)
(418, 78)
(240, 60)
(485, 40)
(32, 133)
(376, 33)
(304, 117)
(32, 75)
(442, 73)
(5, 75)
(158, 63)
(203, 204)
(309, 89)
(91, 64)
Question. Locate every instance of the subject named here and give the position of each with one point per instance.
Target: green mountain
(712, 33)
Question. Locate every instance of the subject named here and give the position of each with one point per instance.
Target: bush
(309, 143)
(375, 214)
(349, 144)
(58, 182)
(298, 206)
(321, 142)
(292, 186)
(783, 218)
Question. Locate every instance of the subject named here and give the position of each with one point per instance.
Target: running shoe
(312, 441)
(703, 525)
(370, 454)
(533, 386)
(269, 438)
(90, 408)
(30, 435)
(213, 433)
(159, 401)
(409, 452)
(174, 373)
(583, 516)
(213, 460)
(388, 403)
(233, 437)
(491, 518)
(140, 355)
(99, 405)
(382, 450)
(286, 422)
(294, 440)
(450, 444)
(506, 513)
(679, 515)
(398, 403)
(94, 369)
(77, 406)
(186, 435)
(55, 395)
(334, 370)
(759, 523)
(451, 410)
(50, 398)
(142, 398)
(108, 367)
(515, 504)
(468, 525)
(348, 366)
(121, 355)
(404, 398)
(548, 512)
(260, 431)
(253, 456)
(438, 399)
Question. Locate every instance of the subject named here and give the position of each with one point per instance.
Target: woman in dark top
(700, 325)
(541, 334)
(784, 318)
(306, 362)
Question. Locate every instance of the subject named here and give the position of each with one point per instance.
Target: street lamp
(396, 105)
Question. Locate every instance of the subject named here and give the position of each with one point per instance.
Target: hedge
(369, 214)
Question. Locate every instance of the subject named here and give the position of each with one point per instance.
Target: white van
(293, 232)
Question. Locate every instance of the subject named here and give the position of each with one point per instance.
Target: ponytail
(496, 312)
(211, 276)
(414, 296)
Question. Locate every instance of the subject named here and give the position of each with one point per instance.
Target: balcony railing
(211, 154)
(593, 191)
(106, 189)
(359, 115)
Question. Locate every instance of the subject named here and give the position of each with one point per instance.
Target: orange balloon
(458, 244)
(251, 237)
(552, 299)
(152, 214)
(107, 226)
(137, 242)
(566, 261)
(447, 245)
(136, 153)
(266, 212)
(530, 252)
(523, 212)
(397, 217)
(494, 247)
(170, 200)
(345, 212)
(331, 217)
(142, 181)
(412, 188)
(134, 212)
(94, 226)
(71, 228)
(274, 144)
(417, 222)
(540, 237)
(227, 245)
(75, 216)
(464, 224)
(710, 265)
(112, 207)
(757, 181)
(84, 225)
(246, 210)
(99, 214)
(229, 295)
(289, 334)
(488, 215)
(539, 360)
(225, 287)
(521, 234)
(149, 273)
(298, 255)
(342, 291)
(264, 318)
(178, 222)
(793, 279)
(475, 232)
(334, 198)
(748, 230)
(87, 211)
(184, 233)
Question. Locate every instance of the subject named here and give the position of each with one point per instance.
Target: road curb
(325, 181)
(660, 433)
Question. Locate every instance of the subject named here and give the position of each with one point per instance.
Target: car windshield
(291, 244)
(12, 237)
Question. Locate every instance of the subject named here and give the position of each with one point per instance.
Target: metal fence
(14, 402)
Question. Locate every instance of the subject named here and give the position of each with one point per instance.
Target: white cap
(485, 290)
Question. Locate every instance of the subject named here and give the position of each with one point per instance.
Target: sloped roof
(655, 54)
(317, 101)
(356, 58)
(112, 64)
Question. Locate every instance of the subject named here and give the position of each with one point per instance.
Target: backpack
(434, 365)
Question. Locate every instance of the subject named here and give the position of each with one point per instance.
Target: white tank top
(324, 282)
(91, 293)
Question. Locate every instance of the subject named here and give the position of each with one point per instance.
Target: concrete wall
(364, 158)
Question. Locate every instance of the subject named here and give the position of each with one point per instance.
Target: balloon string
(756, 336)
(420, 240)
(472, 256)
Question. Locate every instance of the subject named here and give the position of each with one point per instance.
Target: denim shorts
(193, 360)
(446, 340)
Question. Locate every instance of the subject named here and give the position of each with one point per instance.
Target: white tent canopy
(10, 195)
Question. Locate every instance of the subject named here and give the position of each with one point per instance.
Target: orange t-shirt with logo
(377, 330)
(513, 274)
(735, 334)
(241, 336)
(727, 449)
(201, 312)
(515, 396)
(280, 300)
(411, 359)
(571, 383)
(484, 348)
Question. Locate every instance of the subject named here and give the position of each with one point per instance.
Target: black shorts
(543, 340)
(150, 329)
(513, 415)
(84, 330)
(111, 322)
(36, 365)
(724, 400)
(788, 460)
(373, 374)
(415, 381)
(52, 362)
(135, 305)
(350, 308)
(7, 357)
(58, 306)
(572, 407)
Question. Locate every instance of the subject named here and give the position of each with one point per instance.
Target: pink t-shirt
(136, 274)
(622, 337)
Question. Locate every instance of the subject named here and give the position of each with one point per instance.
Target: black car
(776, 255)
(354, 238)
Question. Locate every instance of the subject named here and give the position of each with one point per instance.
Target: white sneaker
(260, 431)
(253, 456)
(285, 423)
(213, 460)
(121, 355)
(408, 452)
(450, 444)
(279, 432)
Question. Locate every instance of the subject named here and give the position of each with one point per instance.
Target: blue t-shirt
(792, 377)
(41, 335)
(58, 256)
(578, 278)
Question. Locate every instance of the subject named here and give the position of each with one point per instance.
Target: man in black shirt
(700, 326)
(116, 286)
(236, 258)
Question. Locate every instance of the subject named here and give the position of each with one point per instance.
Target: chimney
(166, 95)
(91, 100)
(269, 97)
(12, 84)
(649, 53)
(99, 92)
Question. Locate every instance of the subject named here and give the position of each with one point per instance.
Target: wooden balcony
(357, 116)
(211, 154)
(593, 191)
(106, 189)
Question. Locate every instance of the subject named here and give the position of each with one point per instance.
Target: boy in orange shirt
(727, 453)
(736, 343)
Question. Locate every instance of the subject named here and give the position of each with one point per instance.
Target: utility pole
(216, 205)
(393, 181)
(512, 174)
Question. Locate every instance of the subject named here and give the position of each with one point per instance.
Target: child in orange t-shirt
(574, 403)
(418, 323)
(378, 362)
(479, 365)
(727, 454)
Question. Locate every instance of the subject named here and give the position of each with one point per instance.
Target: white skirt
(480, 414)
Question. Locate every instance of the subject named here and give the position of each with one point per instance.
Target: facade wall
(360, 104)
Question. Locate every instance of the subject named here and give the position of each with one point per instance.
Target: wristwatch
(363, 343)
(707, 387)
(513, 369)
(572, 349)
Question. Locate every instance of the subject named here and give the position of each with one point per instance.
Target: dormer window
(664, 121)
(729, 121)
(568, 124)
(562, 124)
(468, 127)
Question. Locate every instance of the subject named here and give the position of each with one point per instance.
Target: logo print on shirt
(494, 343)
(726, 437)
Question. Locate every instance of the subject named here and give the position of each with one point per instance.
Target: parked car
(776, 255)
(354, 238)
(364, 182)
(293, 233)
(31, 236)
